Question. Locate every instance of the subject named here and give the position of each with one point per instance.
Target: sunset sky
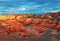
(29, 6)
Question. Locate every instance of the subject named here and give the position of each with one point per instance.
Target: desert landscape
(30, 27)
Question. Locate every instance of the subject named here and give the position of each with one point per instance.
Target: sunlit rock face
(27, 26)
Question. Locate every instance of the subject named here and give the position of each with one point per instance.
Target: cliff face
(29, 26)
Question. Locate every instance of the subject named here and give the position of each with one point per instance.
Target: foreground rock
(30, 27)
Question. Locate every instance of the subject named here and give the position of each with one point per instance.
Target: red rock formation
(35, 26)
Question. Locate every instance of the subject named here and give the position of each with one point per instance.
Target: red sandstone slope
(29, 25)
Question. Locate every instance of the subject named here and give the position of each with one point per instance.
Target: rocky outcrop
(29, 26)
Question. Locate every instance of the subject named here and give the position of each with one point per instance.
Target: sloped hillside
(30, 26)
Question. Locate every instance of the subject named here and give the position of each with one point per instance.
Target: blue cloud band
(29, 6)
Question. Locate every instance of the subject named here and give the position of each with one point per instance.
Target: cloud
(47, 3)
(29, 6)
(1, 12)
(22, 9)
(3, 0)
(55, 11)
